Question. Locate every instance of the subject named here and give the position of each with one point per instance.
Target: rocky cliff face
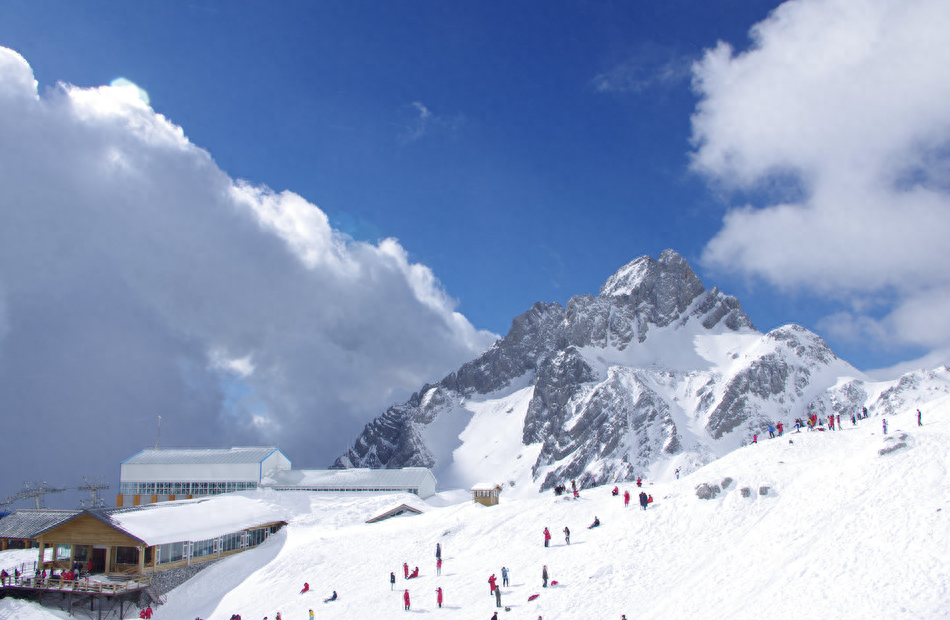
(654, 372)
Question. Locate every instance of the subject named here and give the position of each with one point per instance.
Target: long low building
(150, 538)
(417, 480)
(167, 474)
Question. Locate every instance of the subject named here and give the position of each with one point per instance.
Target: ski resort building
(150, 538)
(486, 493)
(416, 480)
(168, 474)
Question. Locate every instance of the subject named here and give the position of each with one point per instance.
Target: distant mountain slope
(654, 373)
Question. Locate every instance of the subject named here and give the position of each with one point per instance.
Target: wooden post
(141, 560)
(39, 564)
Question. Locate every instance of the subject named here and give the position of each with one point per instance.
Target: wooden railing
(83, 585)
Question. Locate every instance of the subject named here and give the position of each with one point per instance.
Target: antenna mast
(159, 436)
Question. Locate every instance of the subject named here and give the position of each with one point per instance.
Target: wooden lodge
(157, 537)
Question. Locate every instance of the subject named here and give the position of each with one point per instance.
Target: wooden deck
(84, 598)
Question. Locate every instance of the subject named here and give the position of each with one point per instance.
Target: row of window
(183, 488)
(345, 489)
(175, 552)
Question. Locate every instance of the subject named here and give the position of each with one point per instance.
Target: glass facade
(183, 488)
(175, 552)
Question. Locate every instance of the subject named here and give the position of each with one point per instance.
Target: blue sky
(327, 204)
(519, 180)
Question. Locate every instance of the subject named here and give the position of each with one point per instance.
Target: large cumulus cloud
(844, 104)
(137, 279)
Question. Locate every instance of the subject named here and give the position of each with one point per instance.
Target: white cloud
(650, 67)
(137, 278)
(848, 99)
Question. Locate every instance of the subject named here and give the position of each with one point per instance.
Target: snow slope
(843, 532)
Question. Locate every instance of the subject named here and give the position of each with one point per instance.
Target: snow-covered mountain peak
(668, 278)
(656, 372)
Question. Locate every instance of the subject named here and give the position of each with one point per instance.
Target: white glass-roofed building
(163, 474)
(417, 480)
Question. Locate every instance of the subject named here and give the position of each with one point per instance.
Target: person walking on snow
(547, 537)
(884, 424)
(491, 584)
(438, 566)
(677, 472)
(626, 496)
(405, 569)
(497, 597)
(780, 428)
(771, 432)
(405, 598)
(438, 597)
(544, 576)
(919, 423)
(504, 576)
(643, 500)
(838, 420)
(438, 551)
(392, 581)
(311, 614)
(567, 535)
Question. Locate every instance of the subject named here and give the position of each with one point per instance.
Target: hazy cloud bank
(138, 279)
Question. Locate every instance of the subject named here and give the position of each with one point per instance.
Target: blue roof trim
(133, 456)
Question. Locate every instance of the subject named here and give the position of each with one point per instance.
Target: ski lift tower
(93, 484)
(35, 491)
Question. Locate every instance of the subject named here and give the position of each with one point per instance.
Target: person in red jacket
(639, 481)
(438, 597)
(306, 587)
(491, 584)
(547, 537)
(626, 498)
(405, 569)
(405, 598)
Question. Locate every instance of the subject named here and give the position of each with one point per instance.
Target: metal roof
(28, 523)
(403, 478)
(200, 456)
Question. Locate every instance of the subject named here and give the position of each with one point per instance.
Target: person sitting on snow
(332, 598)
(594, 524)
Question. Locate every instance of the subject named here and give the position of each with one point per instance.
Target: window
(172, 552)
(126, 555)
(202, 548)
(231, 542)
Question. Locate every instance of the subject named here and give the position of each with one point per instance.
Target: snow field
(844, 532)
